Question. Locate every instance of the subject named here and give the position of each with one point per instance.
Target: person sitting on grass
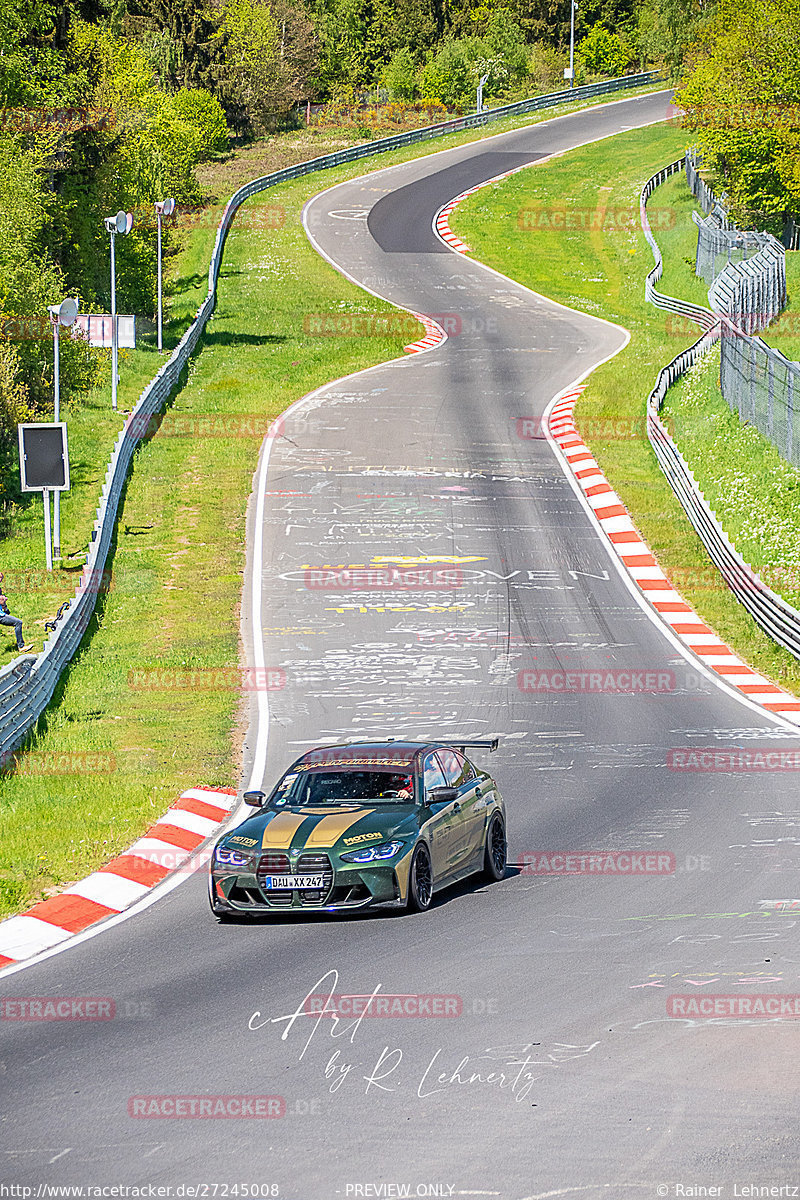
(7, 619)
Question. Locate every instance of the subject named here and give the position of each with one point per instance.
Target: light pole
(60, 314)
(572, 9)
(164, 208)
(480, 93)
(121, 223)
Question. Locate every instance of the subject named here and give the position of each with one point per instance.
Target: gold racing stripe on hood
(280, 831)
(330, 829)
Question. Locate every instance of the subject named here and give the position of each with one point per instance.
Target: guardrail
(27, 684)
(703, 316)
(775, 616)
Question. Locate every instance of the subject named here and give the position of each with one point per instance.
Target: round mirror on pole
(67, 311)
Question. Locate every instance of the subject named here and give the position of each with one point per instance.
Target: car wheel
(420, 881)
(496, 851)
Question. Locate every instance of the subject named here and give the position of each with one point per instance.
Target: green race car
(363, 824)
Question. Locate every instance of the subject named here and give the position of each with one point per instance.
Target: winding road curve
(563, 1073)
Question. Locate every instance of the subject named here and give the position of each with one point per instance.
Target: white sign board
(96, 329)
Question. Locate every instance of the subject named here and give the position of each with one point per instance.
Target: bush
(158, 159)
(448, 76)
(400, 75)
(604, 53)
(204, 113)
(546, 68)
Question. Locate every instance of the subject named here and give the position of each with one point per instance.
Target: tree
(400, 75)
(546, 67)
(203, 112)
(741, 95)
(189, 27)
(267, 50)
(497, 52)
(604, 53)
(29, 281)
(448, 75)
(667, 28)
(34, 66)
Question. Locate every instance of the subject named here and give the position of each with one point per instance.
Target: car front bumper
(352, 888)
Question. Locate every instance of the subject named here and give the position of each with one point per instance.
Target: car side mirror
(255, 799)
(442, 795)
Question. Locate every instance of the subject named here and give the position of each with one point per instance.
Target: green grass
(178, 558)
(754, 492)
(602, 271)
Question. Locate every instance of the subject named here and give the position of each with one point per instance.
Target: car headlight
(373, 853)
(226, 856)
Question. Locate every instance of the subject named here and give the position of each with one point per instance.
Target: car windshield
(344, 786)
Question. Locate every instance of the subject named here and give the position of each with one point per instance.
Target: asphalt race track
(561, 1072)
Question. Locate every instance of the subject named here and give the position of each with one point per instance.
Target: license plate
(288, 882)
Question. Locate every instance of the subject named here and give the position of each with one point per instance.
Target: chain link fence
(763, 386)
(698, 186)
(752, 293)
(772, 613)
(757, 381)
(719, 245)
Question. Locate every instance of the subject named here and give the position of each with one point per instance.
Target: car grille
(275, 863)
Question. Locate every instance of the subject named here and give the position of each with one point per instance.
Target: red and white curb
(434, 335)
(442, 225)
(164, 849)
(638, 559)
(441, 221)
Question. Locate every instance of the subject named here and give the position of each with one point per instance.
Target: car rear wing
(489, 744)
